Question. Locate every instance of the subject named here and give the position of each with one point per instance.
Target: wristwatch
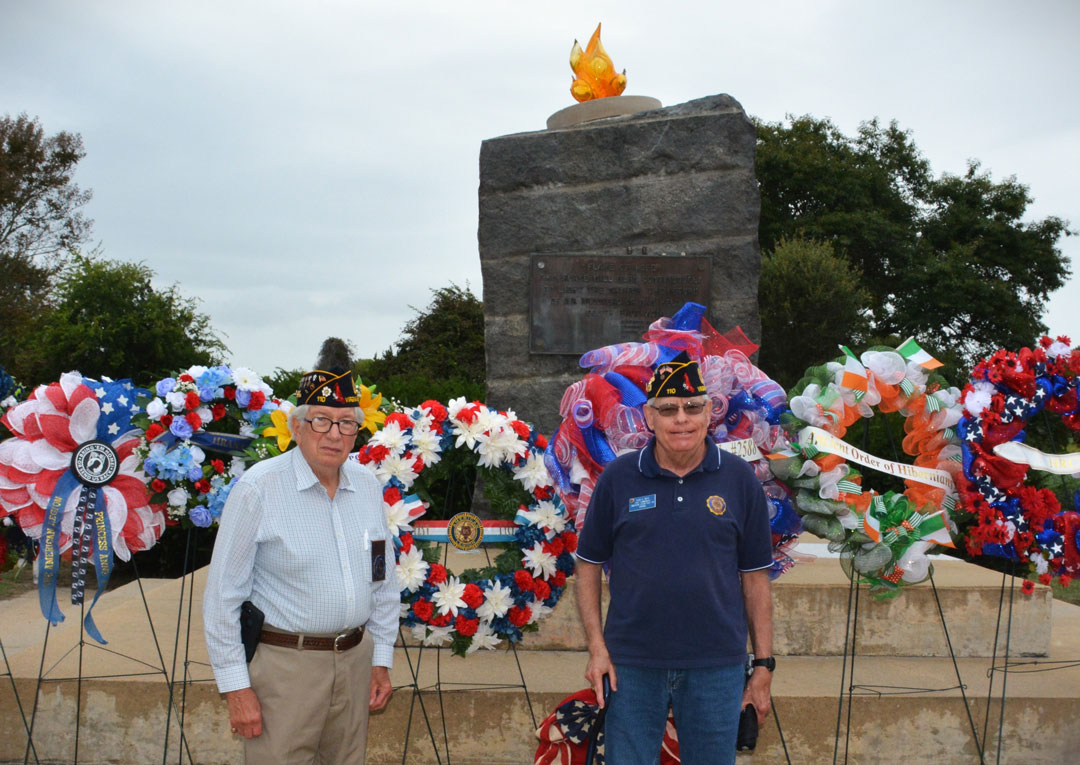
(769, 663)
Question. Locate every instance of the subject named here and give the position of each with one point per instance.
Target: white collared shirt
(300, 557)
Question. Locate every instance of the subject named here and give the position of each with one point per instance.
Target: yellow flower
(373, 417)
(280, 428)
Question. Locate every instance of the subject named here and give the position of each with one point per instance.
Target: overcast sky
(311, 168)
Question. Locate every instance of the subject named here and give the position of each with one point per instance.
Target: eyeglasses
(324, 424)
(692, 409)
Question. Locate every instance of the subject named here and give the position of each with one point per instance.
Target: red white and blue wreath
(602, 414)
(478, 607)
(197, 429)
(1001, 513)
(72, 480)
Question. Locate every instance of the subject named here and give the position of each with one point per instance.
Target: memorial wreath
(883, 538)
(417, 448)
(1001, 512)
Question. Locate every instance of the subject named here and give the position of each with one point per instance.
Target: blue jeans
(706, 705)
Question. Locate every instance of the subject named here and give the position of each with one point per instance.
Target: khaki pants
(314, 705)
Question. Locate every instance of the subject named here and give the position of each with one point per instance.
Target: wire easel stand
(80, 647)
(189, 569)
(780, 730)
(416, 696)
(18, 703)
(439, 685)
(848, 690)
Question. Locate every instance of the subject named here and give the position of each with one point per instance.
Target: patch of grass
(1070, 594)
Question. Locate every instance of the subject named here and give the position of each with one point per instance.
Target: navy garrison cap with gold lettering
(328, 387)
(679, 377)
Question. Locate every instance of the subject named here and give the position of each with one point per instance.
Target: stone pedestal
(678, 180)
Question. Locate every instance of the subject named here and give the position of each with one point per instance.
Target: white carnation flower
(449, 596)
(533, 474)
(540, 563)
(412, 569)
(178, 497)
(484, 638)
(546, 516)
(978, 400)
(392, 438)
(497, 602)
(399, 467)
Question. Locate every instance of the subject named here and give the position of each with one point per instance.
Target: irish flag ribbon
(892, 518)
(854, 373)
(911, 351)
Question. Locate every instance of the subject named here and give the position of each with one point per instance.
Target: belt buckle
(339, 636)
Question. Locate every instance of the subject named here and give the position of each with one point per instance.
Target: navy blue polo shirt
(676, 547)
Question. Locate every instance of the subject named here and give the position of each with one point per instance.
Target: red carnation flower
(442, 621)
(218, 466)
(378, 452)
(194, 420)
(468, 414)
(523, 580)
(158, 485)
(435, 409)
(466, 627)
(391, 495)
(258, 399)
(423, 610)
(473, 596)
(541, 441)
(569, 540)
(542, 590)
(230, 392)
(166, 420)
(203, 486)
(559, 580)
(186, 378)
(543, 492)
(521, 429)
(192, 401)
(400, 419)
(1027, 587)
(406, 542)
(437, 573)
(418, 465)
(217, 410)
(519, 617)
(554, 548)
(154, 431)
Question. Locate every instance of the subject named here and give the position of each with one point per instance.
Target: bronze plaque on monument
(581, 302)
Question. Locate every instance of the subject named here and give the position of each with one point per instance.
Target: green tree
(948, 259)
(109, 320)
(810, 294)
(40, 224)
(439, 355)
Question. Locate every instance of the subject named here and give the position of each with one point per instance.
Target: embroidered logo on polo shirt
(647, 502)
(716, 505)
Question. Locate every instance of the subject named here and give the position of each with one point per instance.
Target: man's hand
(381, 689)
(600, 665)
(245, 713)
(759, 693)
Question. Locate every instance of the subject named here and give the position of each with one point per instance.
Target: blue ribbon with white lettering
(219, 443)
(49, 557)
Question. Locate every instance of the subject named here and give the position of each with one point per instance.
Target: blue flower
(200, 516)
(180, 428)
(165, 386)
(243, 397)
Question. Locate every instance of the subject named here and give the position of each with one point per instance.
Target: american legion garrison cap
(332, 387)
(679, 377)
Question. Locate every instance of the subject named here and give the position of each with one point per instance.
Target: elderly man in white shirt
(303, 536)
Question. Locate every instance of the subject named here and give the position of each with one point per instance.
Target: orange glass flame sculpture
(594, 72)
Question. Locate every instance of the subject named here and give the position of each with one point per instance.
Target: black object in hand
(251, 624)
(747, 738)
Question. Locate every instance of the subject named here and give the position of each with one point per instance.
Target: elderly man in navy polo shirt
(685, 529)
